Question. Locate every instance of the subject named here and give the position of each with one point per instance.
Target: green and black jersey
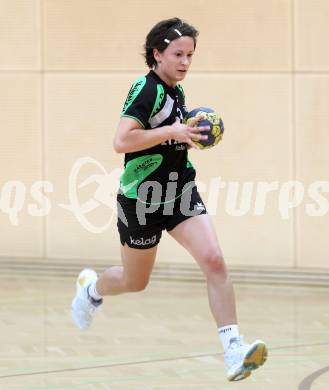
(152, 103)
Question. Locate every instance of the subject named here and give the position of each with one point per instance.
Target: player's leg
(132, 276)
(138, 250)
(198, 236)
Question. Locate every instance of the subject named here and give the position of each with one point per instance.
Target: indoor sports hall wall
(65, 69)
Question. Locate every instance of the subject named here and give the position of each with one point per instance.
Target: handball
(211, 119)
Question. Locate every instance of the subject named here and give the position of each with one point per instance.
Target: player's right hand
(189, 133)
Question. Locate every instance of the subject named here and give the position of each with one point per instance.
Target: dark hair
(162, 34)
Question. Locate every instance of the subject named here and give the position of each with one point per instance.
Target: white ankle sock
(93, 292)
(226, 333)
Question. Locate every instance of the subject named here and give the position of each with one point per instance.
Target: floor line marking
(45, 372)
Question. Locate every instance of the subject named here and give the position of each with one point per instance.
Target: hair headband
(177, 32)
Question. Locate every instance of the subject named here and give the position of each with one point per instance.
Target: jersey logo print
(136, 171)
(134, 92)
(163, 114)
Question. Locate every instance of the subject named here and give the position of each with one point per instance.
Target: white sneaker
(241, 358)
(83, 306)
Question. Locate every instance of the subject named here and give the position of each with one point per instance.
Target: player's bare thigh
(137, 265)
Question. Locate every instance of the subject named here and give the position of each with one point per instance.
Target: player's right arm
(132, 134)
(132, 137)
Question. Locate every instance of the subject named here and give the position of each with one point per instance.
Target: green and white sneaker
(241, 358)
(84, 307)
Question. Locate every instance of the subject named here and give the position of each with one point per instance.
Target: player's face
(175, 60)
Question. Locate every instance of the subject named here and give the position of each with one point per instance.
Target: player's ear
(156, 55)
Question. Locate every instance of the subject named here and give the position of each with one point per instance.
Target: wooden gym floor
(162, 338)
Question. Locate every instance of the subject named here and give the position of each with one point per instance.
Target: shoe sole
(255, 358)
(240, 375)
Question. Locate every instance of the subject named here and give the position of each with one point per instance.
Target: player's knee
(136, 285)
(214, 265)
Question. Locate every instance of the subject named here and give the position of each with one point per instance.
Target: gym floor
(161, 338)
